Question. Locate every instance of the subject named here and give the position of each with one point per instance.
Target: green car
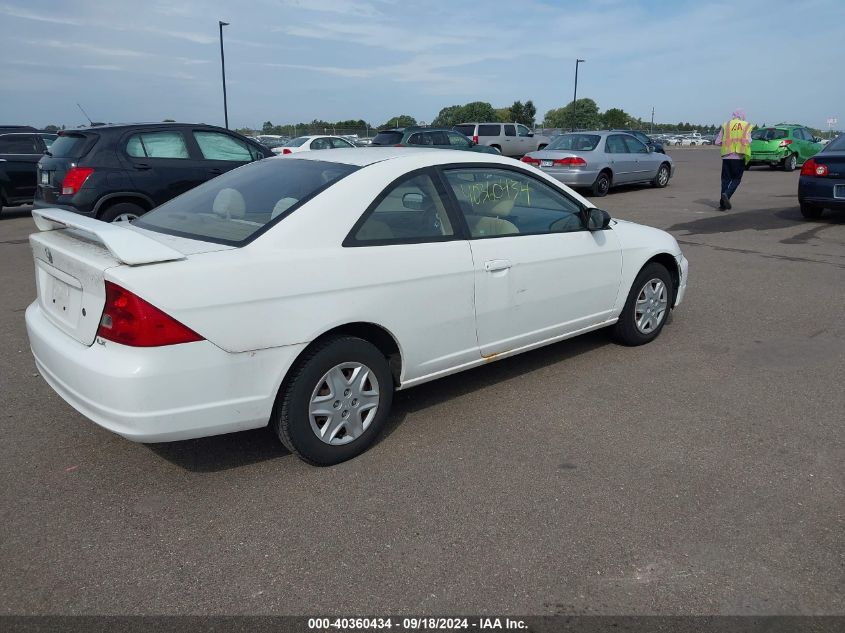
(784, 146)
(428, 137)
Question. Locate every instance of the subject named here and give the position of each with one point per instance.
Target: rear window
(836, 145)
(235, 207)
(466, 130)
(575, 142)
(769, 134)
(489, 130)
(68, 146)
(388, 138)
(296, 142)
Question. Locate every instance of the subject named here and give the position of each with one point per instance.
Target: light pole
(575, 95)
(652, 121)
(223, 71)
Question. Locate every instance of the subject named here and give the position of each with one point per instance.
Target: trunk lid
(835, 162)
(72, 254)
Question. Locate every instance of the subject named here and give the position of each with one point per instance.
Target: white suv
(511, 139)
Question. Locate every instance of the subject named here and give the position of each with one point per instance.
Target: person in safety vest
(735, 140)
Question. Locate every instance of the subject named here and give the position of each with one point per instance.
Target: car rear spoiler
(126, 245)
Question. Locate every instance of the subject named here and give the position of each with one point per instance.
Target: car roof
(363, 156)
(120, 126)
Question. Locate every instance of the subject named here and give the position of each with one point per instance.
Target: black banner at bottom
(402, 624)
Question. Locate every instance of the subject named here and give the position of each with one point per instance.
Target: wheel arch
(669, 262)
(112, 199)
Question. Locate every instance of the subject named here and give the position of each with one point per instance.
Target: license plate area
(839, 191)
(546, 163)
(60, 295)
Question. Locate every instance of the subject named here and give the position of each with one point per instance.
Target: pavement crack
(745, 251)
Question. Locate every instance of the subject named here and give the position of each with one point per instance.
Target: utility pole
(575, 95)
(652, 120)
(223, 71)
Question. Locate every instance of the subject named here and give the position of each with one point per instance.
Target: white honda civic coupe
(302, 291)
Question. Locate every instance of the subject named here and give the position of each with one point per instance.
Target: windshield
(387, 138)
(234, 207)
(768, 134)
(575, 142)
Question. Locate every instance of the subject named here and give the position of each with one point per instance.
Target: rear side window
(217, 146)
(68, 146)
(466, 130)
(157, 145)
(510, 130)
(236, 206)
(489, 130)
(19, 144)
(387, 138)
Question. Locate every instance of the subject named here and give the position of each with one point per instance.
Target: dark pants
(732, 170)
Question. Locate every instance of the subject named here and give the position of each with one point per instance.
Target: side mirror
(413, 201)
(531, 134)
(597, 219)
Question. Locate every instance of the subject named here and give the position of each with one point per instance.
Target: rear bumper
(572, 177)
(820, 191)
(159, 394)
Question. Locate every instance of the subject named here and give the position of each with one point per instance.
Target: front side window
(635, 146)
(459, 140)
(410, 210)
(236, 206)
(616, 144)
(217, 146)
(521, 130)
(500, 202)
(157, 145)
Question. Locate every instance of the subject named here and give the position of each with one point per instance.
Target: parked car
(117, 173)
(509, 139)
(303, 290)
(650, 141)
(271, 141)
(601, 160)
(20, 150)
(784, 146)
(822, 182)
(428, 137)
(316, 141)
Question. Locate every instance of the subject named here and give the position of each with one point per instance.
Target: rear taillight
(812, 168)
(570, 161)
(74, 179)
(475, 139)
(129, 320)
(784, 143)
(530, 160)
(286, 151)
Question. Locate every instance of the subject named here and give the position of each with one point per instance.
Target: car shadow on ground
(756, 220)
(233, 450)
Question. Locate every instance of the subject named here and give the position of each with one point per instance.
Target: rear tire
(602, 185)
(811, 211)
(122, 212)
(328, 409)
(789, 163)
(647, 307)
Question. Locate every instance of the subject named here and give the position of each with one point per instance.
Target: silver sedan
(601, 160)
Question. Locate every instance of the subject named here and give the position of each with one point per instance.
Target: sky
(297, 60)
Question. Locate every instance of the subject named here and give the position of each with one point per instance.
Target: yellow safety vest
(733, 133)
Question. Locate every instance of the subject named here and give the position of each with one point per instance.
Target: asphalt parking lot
(701, 474)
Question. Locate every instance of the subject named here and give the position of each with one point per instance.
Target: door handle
(495, 265)
(142, 166)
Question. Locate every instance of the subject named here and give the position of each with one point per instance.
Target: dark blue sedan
(822, 183)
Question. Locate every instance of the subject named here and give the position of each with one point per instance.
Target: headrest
(282, 205)
(229, 203)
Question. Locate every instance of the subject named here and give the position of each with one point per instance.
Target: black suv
(21, 147)
(119, 172)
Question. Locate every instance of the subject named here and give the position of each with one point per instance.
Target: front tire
(334, 402)
(602, 185)
(789, 163)
(662, 178)
(646, 308)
